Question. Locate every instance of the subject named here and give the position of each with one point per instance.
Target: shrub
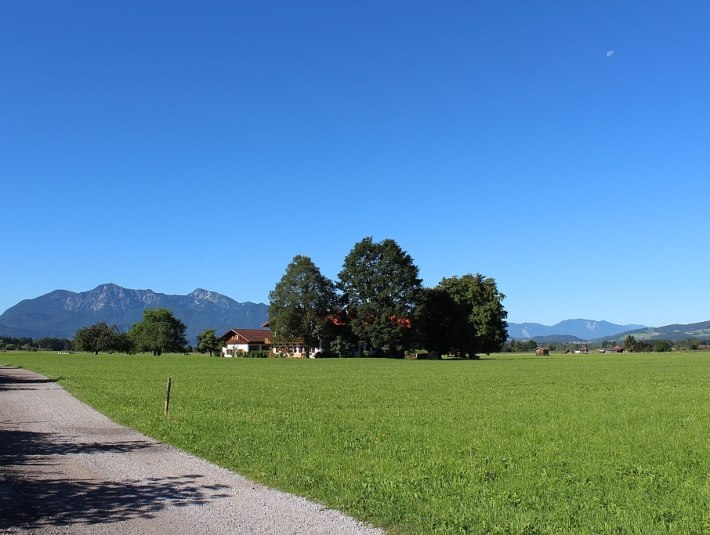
(662, 346)
(256, 354)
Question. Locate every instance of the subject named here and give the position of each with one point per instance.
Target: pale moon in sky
(610, 53)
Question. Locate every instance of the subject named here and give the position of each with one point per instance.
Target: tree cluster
(630, 344)
(658, 346)
(100, 337)
(159, 332)
(11, 343)
(378, 307)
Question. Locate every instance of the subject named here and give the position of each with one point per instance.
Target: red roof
(248, 336)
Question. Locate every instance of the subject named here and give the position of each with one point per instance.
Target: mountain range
(699, 331)
(579, 329)
(60, 313)
(598, 331)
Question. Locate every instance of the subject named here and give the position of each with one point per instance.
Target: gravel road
(65, 468)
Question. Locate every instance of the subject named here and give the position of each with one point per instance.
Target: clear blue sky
(175, 145)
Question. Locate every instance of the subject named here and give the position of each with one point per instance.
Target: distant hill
(701, 331)
(558, 339)
(579, 328)
(60, 313)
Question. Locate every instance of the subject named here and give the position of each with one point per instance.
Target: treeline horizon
(25, 343)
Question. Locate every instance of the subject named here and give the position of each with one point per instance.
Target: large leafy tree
(435, 320)
(98, 337)
(380, 285)
(477, 319)
(159, 331)
(301, 305)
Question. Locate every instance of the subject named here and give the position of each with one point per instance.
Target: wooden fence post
(167, 396)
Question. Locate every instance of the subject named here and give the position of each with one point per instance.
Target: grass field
(507, 444)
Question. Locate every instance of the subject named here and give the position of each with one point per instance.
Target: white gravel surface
(65, 468)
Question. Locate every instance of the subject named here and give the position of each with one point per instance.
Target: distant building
(238, 341)
(245, 340)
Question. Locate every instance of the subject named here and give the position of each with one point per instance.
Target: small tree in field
(98, 337)
(159, 332)
(207, 342)
(630, 344)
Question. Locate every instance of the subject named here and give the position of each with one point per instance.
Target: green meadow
(506, 444)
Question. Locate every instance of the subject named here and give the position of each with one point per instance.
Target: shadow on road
(33, 493)
(19, 448)
(33, 503)
(21, 382)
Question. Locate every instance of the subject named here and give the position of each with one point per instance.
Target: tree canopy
(380, 285)
(159, 331)
(101, 337)
(301, 304)
(630, 343)
(480, 300)
(463, 316)
(207, 342)
(54, 344)
(435, 320)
